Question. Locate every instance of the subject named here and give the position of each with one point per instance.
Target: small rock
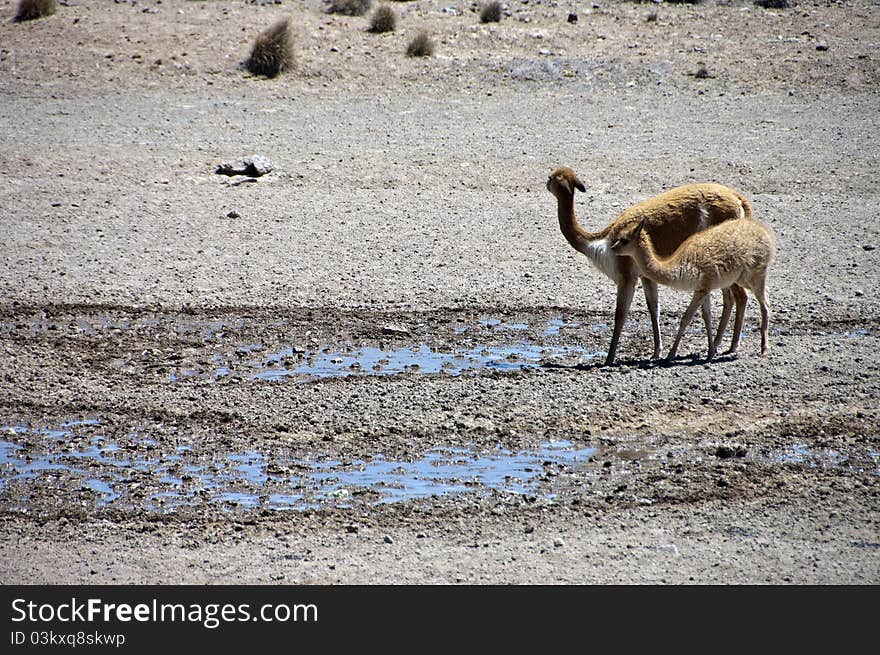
(387, 539)
(670, 549)
(351, 529)
(859, 293)
(572, 17)
(869, 247)
(233, 214)
(393, 329)
(253, 166)
(821, 46)
(558, 542)
(724, 452)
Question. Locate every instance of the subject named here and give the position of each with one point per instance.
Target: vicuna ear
(579, 186)
(640, 227)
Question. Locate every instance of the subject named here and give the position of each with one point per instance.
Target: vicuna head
(563, 181)
(626, 242)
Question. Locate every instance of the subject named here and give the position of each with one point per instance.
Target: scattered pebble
(724, 452)
(395, 329)
(253, 166)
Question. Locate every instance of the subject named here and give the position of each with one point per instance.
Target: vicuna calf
(670, 218)
(735, 252)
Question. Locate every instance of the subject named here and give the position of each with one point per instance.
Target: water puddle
(496, 324)
(555, 325)
(421, 359)
(252, 479)
(261, 361)
(801, 453)
(291, 362)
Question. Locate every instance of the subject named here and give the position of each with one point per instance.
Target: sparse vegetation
(31, 9)
(652, 17)
(773, 4)
(703, 73)
(273, 50)
(491, 12)
(384, 20)
(349, 7)
(420, 46)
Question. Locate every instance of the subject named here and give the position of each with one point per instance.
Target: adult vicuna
(671, 217)
(737, 252)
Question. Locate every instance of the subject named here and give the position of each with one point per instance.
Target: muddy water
(76, 458)
(255, 479)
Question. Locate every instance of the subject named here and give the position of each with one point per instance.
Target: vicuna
(670, 218)
(737, 252)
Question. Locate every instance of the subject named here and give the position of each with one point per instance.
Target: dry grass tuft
(349, 7)
(420, 46)
(491, 12)
(31, 9)
(774, 4)
(384, 20)
(273, 50)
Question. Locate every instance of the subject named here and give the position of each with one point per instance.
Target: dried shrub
(273, 50)
(491, 12)
(420, 46)
(31, 9)
(773, 4)
(703, 73)
(349, 7)
(384, 20)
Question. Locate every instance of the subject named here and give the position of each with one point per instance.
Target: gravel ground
(380, 362)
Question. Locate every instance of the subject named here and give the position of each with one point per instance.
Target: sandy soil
(202, 372)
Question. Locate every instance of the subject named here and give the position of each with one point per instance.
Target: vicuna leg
(652, 298)
(740, 297)
(760, 291)
(696, 303)
(727, 295)
(625, 289)
(706, 308)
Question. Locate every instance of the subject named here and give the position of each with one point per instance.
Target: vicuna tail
(746, 205)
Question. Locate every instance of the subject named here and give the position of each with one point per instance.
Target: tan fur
(737, 252)
(670, 218)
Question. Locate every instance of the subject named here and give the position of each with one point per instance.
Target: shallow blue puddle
(254, 480)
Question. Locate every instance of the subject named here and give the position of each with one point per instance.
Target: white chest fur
(603, 258)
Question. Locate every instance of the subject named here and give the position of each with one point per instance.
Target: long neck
(657, 269)
(577, 236)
